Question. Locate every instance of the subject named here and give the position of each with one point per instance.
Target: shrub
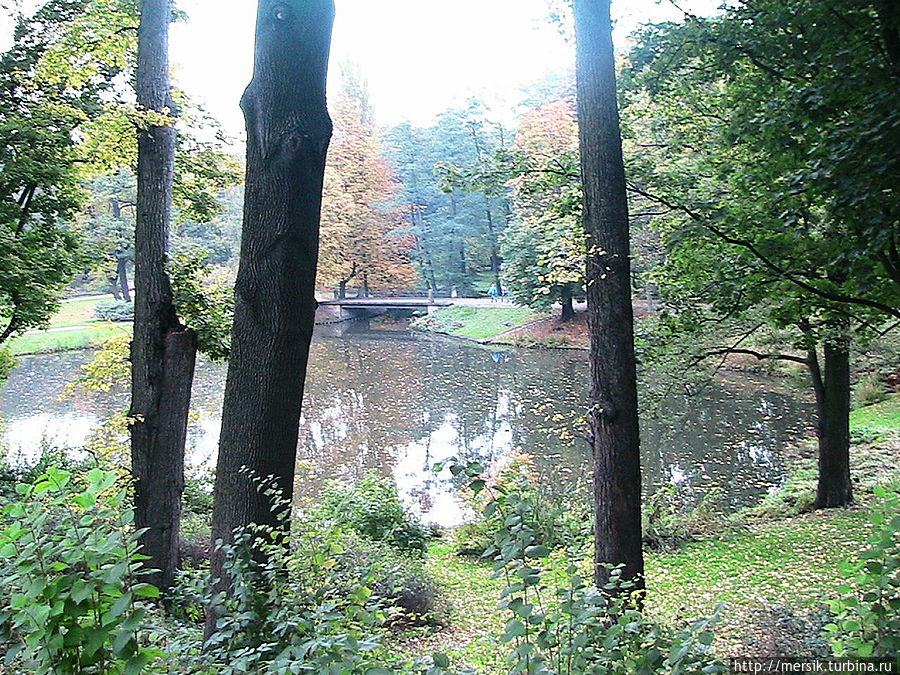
(71, 600)
(578, 628)
(283, 611)
(8, 363)
(409, 593)
(114, 310)
(372, 508)
(558, 522)
(867, 616)
(669, 520)
(869, 391)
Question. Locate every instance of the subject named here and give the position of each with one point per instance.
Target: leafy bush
(867, 616)
(579, 628)
(372, 508)
(869, 391)
(114, 310)
(669, 520)
(8, 363)
(205, 304)
(558, 522)
(410, 594)
(71, 601)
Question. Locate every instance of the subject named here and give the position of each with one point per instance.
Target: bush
(280, 613)
(71, 600)
(8, 363)
(372, 508)
(578, 628)
(558, 522)
(869, 391)
(409, 593)
(114, 310)
(867, 616)
(669, 520)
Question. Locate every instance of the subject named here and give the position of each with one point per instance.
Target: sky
(420, 57)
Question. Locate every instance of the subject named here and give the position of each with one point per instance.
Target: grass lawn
(63, 340)
(878, 418)
(476, 323)
(76, 313)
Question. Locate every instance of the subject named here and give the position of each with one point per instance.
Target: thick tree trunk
(613, 413)
(833, 424)
(163, 351)
(288, 131)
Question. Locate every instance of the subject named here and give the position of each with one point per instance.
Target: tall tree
(769, 136)
(288, 132)
(51, 91)
(613, 413)
(163, 351)
(363, 238)
(544, 247)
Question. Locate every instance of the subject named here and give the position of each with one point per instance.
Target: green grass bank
(476, 323)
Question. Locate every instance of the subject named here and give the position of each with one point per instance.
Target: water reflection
(398, 403)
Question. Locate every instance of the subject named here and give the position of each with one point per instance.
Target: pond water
(398, 402)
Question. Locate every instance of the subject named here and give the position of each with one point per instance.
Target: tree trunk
(365, 284)
(833, 424)
(163, 352)
(613, 413)
(114, 287)
(288, 131)
(889, 19)
(123, 278)
(495, 248)
(568, 308)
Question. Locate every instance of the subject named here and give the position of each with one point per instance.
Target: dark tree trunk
(123, 278)
(288, 131)
(163, 351)
(342, 284)
(568, 307)
(613, 413)
(833, 424)
(889, 18)
(365, 284)
(114, 287)
(495, 248)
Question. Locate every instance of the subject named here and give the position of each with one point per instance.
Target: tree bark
(613, 413)
(162, 352)
(832, 388)
(288, 132)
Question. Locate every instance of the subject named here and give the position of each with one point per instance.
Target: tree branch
(767, 262)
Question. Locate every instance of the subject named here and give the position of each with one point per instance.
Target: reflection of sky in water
(26, 435)
(398, 404)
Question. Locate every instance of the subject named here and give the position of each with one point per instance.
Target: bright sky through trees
(420, 56)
